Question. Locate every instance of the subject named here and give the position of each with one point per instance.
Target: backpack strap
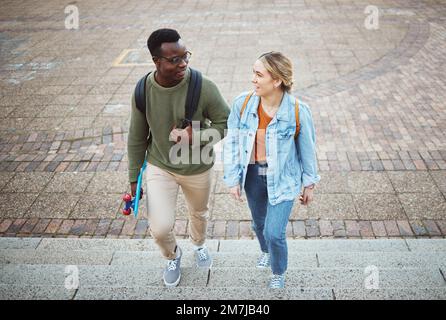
(140, 94)
(245, 103)
(296, 110)
(193, 94)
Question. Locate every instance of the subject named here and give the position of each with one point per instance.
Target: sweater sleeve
(137, 141)
(216, 110)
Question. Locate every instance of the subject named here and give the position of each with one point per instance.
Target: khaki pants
(162, 192)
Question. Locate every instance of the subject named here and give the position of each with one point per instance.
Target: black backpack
(192, 98)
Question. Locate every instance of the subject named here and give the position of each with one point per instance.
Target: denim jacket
(291, 163)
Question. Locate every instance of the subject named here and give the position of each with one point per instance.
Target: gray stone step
(31, 292)
(21, 292)
(112, 244)
(64, 257)
(138, 258)
(220, 259)
(19, 243)
(34, 268)
(427, 245)
(330, 277)
(343, 245)
(225, 259)
(382, 259)
(208, 293)
(391, 294)
(332, 245)
(236, 293)
(219, 277)
(97, 275)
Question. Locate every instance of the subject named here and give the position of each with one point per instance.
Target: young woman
(269, 152)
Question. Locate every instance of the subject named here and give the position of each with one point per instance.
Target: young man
(160, 131)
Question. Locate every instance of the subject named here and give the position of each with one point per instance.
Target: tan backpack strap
(245, 103)
(296, 134)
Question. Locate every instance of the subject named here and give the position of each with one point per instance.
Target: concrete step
(96, 275)
(349, 278)
(237, 293)
(406, 259)
(102, 275)
(34, 268)
(137, 258)
(391, 294)
(160, 293)
(330, 245)
(33, 292)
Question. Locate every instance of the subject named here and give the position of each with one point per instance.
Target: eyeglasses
(177, 60)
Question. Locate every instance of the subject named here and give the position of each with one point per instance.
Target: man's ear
(156, 61)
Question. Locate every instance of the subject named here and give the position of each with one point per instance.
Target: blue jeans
(269, 221)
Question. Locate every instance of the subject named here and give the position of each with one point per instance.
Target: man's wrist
(311, 186)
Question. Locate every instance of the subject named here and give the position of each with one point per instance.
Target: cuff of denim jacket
(231, 182)
(308, 180)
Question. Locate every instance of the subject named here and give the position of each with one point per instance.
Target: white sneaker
(264, 261)
(277, 281)
(172, 272)
(203, 258)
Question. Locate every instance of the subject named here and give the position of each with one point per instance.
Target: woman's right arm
(231, 156)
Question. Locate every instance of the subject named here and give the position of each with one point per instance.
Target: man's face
(164, 64)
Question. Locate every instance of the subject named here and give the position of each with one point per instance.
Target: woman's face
(264, 84)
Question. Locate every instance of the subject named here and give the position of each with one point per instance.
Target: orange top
(259, 145)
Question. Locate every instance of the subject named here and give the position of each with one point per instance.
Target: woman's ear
(277, 83)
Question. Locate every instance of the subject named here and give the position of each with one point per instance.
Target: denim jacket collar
(283, 114)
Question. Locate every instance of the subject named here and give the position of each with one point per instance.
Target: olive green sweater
(165, 108)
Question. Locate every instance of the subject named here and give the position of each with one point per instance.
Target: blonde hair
(280, 68)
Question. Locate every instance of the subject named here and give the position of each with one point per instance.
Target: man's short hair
(158, 37)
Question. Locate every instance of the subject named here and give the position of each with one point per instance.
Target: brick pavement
(223, 229)
(377, 98)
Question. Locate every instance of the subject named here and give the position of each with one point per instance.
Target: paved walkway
(377, 98)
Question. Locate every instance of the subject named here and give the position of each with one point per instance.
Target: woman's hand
(235, 191)
(307, 196)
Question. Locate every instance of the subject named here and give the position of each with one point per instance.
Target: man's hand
(183, 136)
(235, 191)
(133, 186)
(306, 197)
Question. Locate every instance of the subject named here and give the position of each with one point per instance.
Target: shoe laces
(172, 265)
(264, 259)
(202, 254)
(277, 281)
